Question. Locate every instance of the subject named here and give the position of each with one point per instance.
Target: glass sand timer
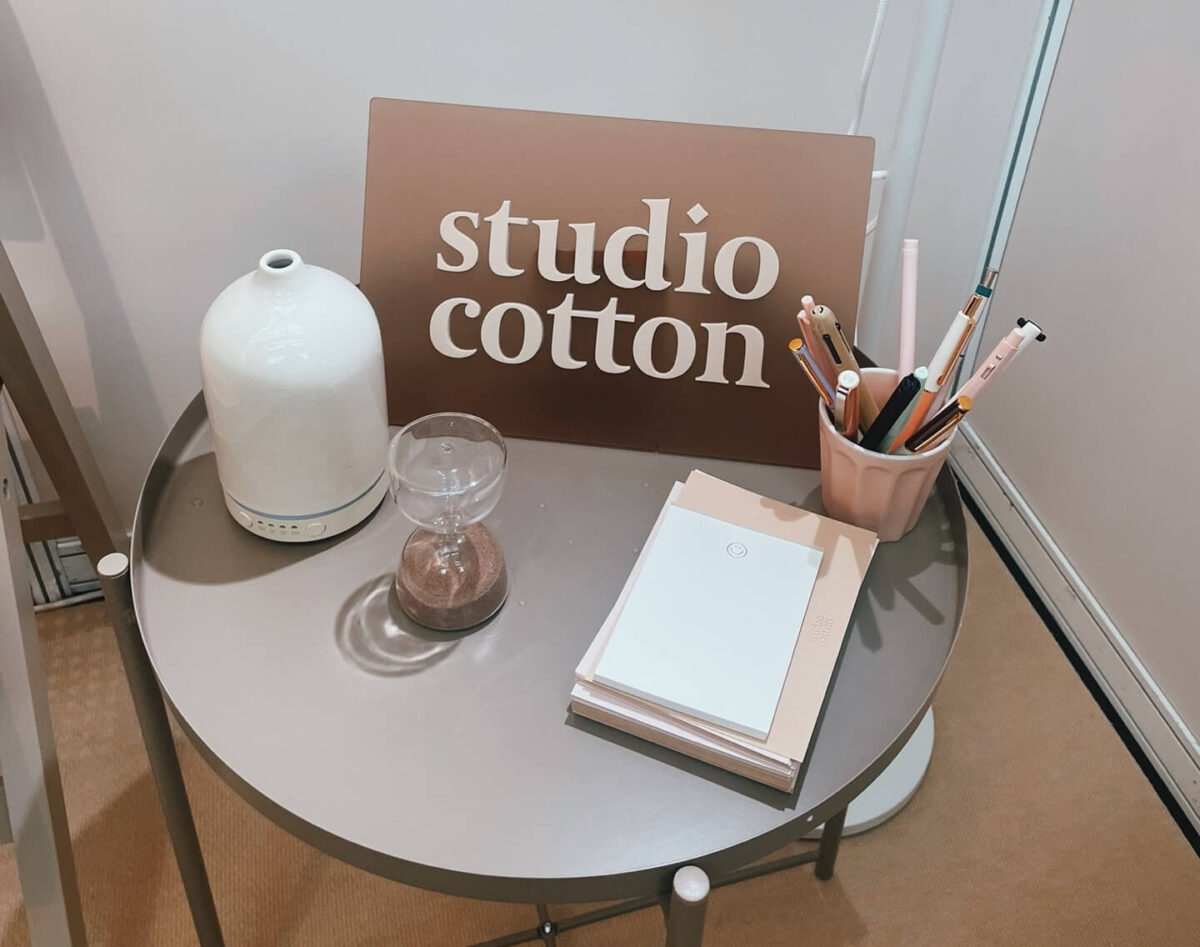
(447, 472)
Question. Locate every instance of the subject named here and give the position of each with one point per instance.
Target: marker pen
(901, 399)
(920, 373)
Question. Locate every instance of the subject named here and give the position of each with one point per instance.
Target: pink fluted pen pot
(881, 492)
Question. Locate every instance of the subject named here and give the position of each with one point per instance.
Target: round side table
(462, 771)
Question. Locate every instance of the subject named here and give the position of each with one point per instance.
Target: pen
(889, 414)
(830, 334)
(944, 360)
(1025, 340)
(804, 318)
(1005, 351)
(908, 308)
(920, 373)
(940, 425)
(984, 291)
(845, 404)
(829, 337)
(812, 370)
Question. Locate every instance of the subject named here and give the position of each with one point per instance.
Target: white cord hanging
(864, 78)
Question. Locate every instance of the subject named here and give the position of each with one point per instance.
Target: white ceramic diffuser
(292, 365)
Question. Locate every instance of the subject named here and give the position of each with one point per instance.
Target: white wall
(1095, 429)
(150, 150)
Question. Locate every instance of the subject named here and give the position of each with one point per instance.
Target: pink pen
(1004, 352)
(907, 359)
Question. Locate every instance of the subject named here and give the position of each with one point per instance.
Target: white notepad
(711, 623)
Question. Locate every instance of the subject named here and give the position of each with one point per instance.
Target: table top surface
(462, 770)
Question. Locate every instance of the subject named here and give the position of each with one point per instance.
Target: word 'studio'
(449, 335)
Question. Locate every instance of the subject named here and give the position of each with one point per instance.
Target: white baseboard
(1163, 735)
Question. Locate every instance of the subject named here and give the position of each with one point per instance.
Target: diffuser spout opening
(279, 262)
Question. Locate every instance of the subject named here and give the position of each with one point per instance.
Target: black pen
(888, 415)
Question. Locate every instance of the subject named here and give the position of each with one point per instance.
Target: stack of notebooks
(724, 640)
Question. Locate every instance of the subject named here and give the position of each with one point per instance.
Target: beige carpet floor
(1033, 826)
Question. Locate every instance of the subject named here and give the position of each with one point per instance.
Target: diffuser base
(307, 529)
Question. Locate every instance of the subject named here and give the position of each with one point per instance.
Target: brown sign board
(608, 281)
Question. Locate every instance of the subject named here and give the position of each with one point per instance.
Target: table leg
(689, 901)
(546, 927)
(831, 837)
(160, 747)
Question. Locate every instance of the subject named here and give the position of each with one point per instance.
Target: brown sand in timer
(452, 600)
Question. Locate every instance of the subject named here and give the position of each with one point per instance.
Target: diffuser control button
(315, 529)
(245, 519)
